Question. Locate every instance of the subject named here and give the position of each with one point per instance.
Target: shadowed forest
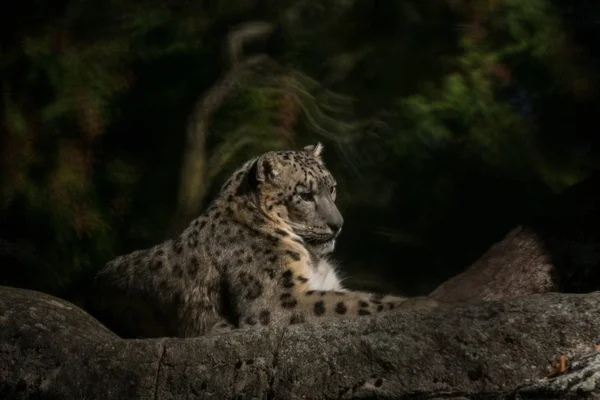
(445, 122)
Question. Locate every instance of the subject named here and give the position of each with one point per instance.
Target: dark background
(445, 122)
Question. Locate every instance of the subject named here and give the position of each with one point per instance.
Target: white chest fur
(324, 277)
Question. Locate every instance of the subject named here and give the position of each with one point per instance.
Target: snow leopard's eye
(306, 196)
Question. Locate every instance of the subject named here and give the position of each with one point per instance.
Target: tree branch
(193, 178)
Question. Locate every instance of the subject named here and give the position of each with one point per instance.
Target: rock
(580, 381)
(558, 250)
(517, 266)
(50, 349)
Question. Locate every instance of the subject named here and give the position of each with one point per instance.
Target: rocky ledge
(51, 349)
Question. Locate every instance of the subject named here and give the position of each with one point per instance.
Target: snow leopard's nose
(329, 213)
(336, 225)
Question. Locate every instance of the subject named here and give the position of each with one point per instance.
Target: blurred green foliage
(446, 122)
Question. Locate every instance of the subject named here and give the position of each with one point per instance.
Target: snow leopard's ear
(314, 150)
(261, 169)
(268, 168)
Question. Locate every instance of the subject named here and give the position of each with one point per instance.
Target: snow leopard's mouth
(323, 245)
(321, 249)
(321, 239)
